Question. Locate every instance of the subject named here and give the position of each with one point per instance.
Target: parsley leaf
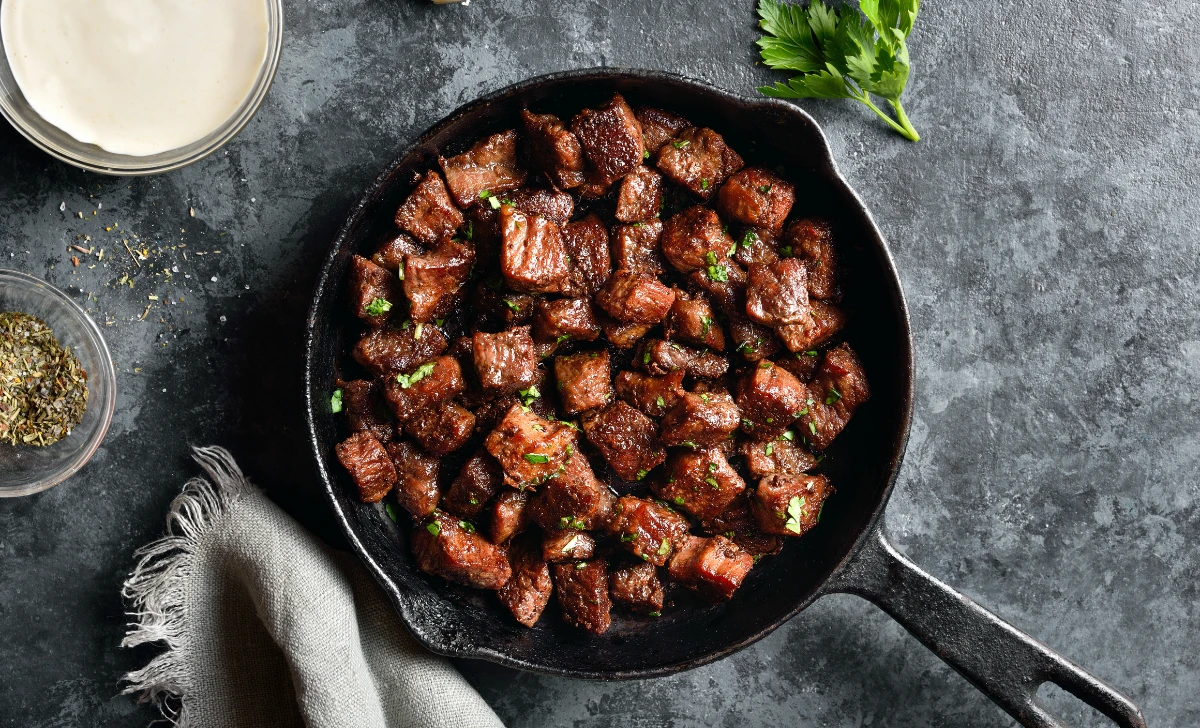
(664, 548)
(434, 528)
(335, 402)
(534, 457)
(795, 512)
(407, 380)
(528, 395)
(377, 307)
(840, 53)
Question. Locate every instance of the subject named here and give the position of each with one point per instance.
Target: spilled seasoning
(43, 389)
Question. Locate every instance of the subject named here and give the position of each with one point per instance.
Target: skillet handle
(999, 659)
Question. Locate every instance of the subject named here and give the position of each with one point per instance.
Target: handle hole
(1072, 711)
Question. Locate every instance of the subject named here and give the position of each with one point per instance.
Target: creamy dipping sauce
(135, 77)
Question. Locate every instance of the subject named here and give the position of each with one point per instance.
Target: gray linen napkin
(265, 626)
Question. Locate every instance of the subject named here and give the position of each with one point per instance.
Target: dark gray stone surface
(1045, 230)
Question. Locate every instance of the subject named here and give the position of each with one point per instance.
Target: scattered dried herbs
(43, 389)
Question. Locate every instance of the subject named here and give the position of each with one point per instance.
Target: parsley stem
(904, 122)
(904, 128)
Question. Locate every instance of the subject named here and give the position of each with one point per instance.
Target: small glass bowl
(63, 146)
(26, 470)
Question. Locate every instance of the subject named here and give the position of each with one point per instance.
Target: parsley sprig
(840, 53)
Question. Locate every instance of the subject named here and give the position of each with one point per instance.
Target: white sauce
(135, 77)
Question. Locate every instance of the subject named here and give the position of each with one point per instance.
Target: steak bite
(823, 323)
(390, 253)
(692, 320)
(837, 389)
(565, 319)
(506, 516)
(777, 294)
(488, 168)
(527, 592)
(637, 588)
(770, 398)
(446, 547)
(582, 589)
(621, 334)
(586, 243)
(429, 384)
(373, 291)
(812, 242)
(584, 381)
(428, 213)
(712, 567)
(781, 456)
(611, 139)
(573, 499)
(399, 349)
(530, 448)
(553, 149)
(803, 365)
(755, 196)
(441, 429)
(659, 357)
(416, 478)
(554, 205)
(654, 396)
(756, 245)
(432, 281)
(365, 410)
(738, 524)
(659, 127)
(533, 257)
(641, 195)
(500, 306)
(477, 482)
(699, 160)
(649, 531)
(702, 482)
(626, 438)
(635, 247)
(567, 545)
(636, 298)
(702, 419)
(790, 505)
(368, 464)
(506, 362)
(696, 239)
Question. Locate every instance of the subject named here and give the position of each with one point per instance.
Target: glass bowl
(26, 470)
(63, 146)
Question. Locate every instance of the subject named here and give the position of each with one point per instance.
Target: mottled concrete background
(1045, 230)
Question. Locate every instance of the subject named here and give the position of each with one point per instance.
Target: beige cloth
(265, 626)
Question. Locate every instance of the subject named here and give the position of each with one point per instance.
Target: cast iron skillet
(847, 552)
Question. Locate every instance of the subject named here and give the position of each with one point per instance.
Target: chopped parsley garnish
(654, 614)
(812, 428)
(641, 474)
(400, 270)
(627, 537)
(646, 357)
(664, 548)
(713, 482)
(563, 337)
(528, 395)
(820, 510)
(689, 443)
(707, 323)
(434, 528)
(467, 526)
(680, 144)
(645, 154)
(536, 458)
(795, 511)
(704, 397)
(473, 501)
(770, 448)
(569, 546)
(788, 435)
(678, 500)
(377, 307)
(765, 364)
(512, 306)
(712, 467)
(418, 331)
(335, 402)
(748, 424)
(407, 380)
(660, 402)
(440, 322)
(391, 511)
(484, 194)
(495, 203)
(765, 189)
(704, 184)
(569, 522)
(833, 396)
(716, 272)
(581, 565)
(786, 251)
(470, 229)
(810, 352)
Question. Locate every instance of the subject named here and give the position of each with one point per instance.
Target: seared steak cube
(712, 567)
(611, 138)
(626, 438)
(554, 205)
(584, 381)
(637, 298)
(530, 448)
(837, 389)
(365, 410)
(641, 195)
(554, 149)
(373, 291)
(812, 241)
(390, 350)
(582, 589)
(479, 480)
(756, 245)
(696, 239)
(573, 499)
(754, 342)
(649, 531)
(738, 524)
(533, 257)
(770, 398)
(430, 383)
(527, 592)
(483, 229)
(368, 464)
(446, 547)
(637, 588)
(499, 306)
(777, 294)
(488, 168)
(823, 322)
(441, 429)
(635, 247)
(390, 254)
(659, 127)
(781, 456)
(661, 357)
(790, 505)
(699, 160)
(428, 213)
(567, 545)
(565, 319)
(804, 364)
(586, 243)
(417, 478)
(621, 334)
(433, 280)
(506, 515)
(700, 419)
(505, 362)
(654, 396)
(756, 196)
(702, 482)
(692, 320)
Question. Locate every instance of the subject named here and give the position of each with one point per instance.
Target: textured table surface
(1045, 229)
